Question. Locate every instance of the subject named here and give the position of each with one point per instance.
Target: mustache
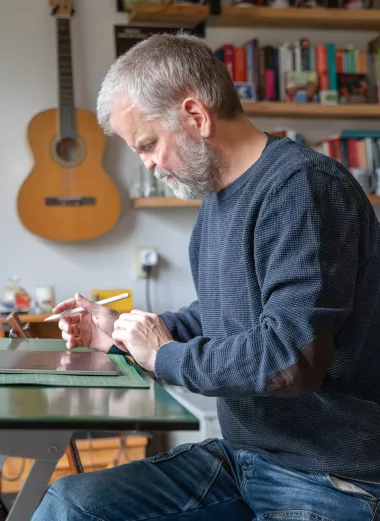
(161, 173)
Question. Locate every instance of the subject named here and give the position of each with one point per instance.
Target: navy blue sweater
(286, 328)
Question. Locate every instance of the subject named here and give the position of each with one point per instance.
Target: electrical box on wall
(145, 260)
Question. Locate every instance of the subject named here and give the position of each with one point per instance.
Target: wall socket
(139, 273)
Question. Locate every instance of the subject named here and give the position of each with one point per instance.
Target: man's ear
(197, 117)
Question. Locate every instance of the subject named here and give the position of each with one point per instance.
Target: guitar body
(68, 196)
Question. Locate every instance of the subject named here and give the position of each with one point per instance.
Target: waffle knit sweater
(286, 327)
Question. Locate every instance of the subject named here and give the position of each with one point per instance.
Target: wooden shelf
(312, 110)
(300, 18)
(180, 15)
(375, 199)
(164, 202)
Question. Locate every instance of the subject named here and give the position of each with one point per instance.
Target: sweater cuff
(168, 363)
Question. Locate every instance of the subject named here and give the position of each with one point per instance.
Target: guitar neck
(67, 120)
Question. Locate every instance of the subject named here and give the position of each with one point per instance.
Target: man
(285, 256)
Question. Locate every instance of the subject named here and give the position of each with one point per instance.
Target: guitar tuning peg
(54, 10)
(72, 11)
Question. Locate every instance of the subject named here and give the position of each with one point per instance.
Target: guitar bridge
(70, 201)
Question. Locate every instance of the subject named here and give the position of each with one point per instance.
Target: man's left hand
(142, 334)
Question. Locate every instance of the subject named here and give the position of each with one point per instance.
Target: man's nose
(149, 164)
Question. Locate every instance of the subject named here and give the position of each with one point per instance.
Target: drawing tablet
(57, 362)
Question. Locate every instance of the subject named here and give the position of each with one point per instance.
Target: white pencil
(74, 311)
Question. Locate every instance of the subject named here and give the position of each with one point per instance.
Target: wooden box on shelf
(182, 15)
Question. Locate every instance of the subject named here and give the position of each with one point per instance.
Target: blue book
(250, 63)
(360, 134)
(331, 66)
(376, 154)
(219, 54)
(344, 152)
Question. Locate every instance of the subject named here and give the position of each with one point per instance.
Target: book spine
(331, 65)
(257, 58)
(369, 154)
(322, 67)
(304, 45)
(240, 65)
(339, 61)
(250, 65)
(219, 54)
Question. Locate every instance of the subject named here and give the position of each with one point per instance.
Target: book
(353, 88)
(301, 87)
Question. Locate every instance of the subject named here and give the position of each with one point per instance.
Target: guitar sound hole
(68, 149)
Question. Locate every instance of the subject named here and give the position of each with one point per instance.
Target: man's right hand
(93, 328)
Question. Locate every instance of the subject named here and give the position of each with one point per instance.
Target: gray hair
(159, 72)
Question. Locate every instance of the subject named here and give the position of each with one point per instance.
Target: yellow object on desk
(121, 306)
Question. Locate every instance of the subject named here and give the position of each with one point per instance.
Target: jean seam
(206, 488)
(274, 515)
(187, 511)
(76, 507)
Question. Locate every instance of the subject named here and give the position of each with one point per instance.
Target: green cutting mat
(130, 378)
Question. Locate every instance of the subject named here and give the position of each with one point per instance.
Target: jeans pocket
(164, 456)
(292, 515)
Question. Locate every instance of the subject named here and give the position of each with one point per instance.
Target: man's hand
(142, 334)
(92, 329)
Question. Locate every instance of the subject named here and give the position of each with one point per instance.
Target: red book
(352, 154)
(339, 60)
(322, 67)
(240, 65)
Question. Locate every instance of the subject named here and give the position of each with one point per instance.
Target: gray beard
(201, 175)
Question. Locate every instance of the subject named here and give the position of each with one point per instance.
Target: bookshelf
(164, 202)
(301, 18)
(312, 110)
(183, 15)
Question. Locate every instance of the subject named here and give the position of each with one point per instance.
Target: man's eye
(150, 147)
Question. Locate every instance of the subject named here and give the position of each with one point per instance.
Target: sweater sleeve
(185, 324)
(305, 255)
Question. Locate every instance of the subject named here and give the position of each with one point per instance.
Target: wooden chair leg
(73, 457)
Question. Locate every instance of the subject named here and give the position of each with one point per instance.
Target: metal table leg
(46, 447)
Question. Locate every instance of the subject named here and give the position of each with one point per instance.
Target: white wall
(28, 85)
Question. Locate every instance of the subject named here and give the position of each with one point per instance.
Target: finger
(71, 329)
(72, 319)
(65, 306)
(121, 346)
(120, 335)
(86, 304)
(141, 312)
(72, 341)
(127, 322)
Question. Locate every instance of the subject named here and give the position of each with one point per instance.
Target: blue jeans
(207, 481)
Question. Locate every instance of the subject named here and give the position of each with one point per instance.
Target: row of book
(357, 150)
(300, 72)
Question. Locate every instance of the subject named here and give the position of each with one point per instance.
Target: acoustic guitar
(68, 196)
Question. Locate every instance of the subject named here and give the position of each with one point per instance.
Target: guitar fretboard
(67, 121)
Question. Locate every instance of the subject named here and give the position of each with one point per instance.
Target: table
(38, 422)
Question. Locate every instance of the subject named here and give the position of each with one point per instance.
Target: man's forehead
(127, 121)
